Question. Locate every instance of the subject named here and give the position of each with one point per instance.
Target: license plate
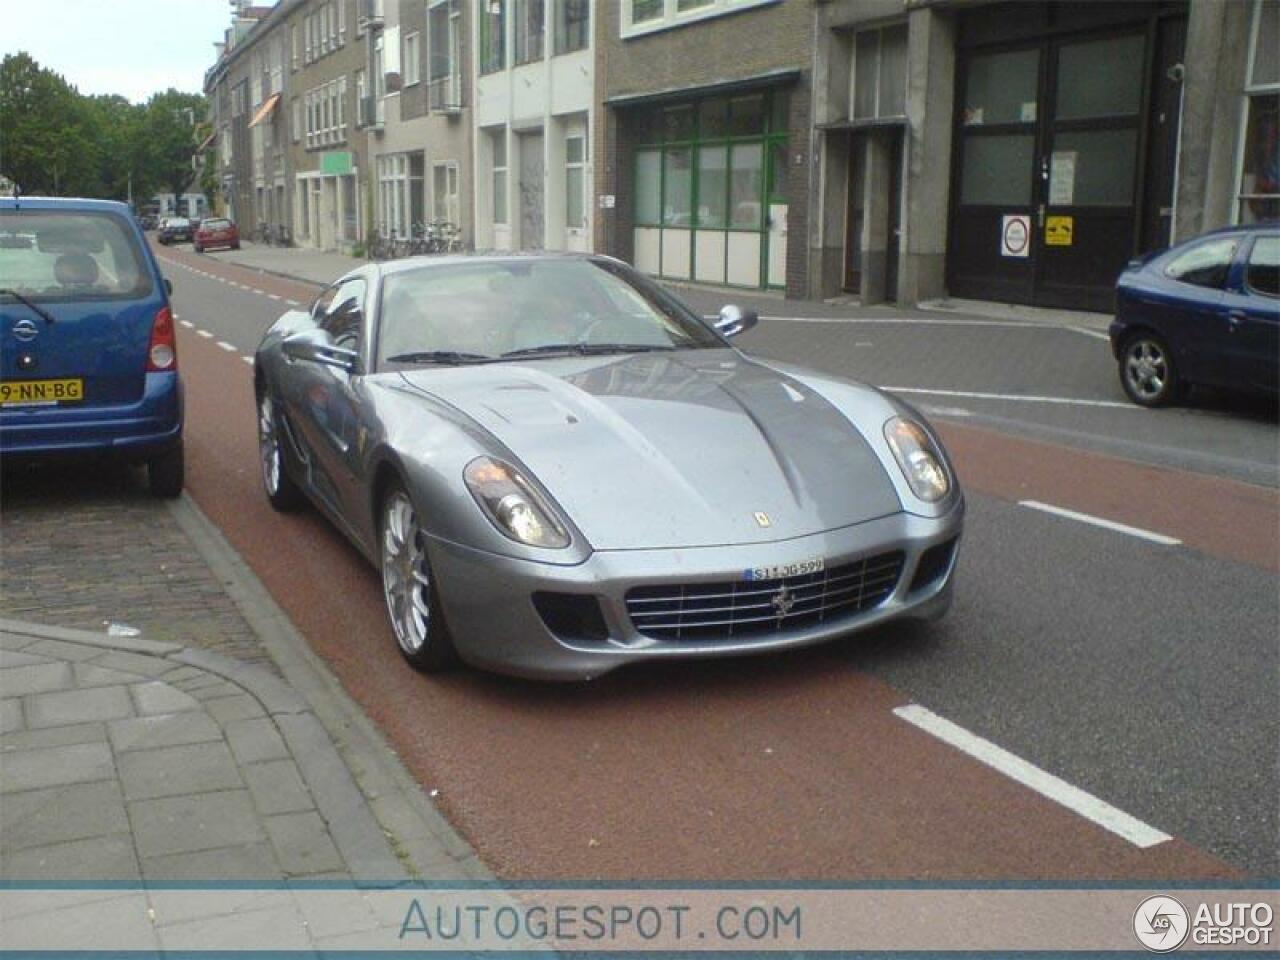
(15, 393)
(783, 570)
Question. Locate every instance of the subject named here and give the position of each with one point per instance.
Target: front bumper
(488, 599)
(135, 430)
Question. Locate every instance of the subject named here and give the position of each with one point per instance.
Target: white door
(777, 244)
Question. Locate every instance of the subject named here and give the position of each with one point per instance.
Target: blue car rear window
(71, 255)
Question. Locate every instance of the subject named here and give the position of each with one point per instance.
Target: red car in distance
(216, 232)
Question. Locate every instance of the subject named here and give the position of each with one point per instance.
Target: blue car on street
(1206, 311)
(88, 350)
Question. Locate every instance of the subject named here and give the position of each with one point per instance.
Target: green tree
(170, 125)
(47, 142)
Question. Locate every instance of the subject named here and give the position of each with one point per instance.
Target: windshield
(516, 309)
(73, 255)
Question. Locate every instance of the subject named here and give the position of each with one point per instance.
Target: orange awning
(264, 111)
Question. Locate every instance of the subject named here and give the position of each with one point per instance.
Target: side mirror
(733, 320)
(168, 286)
(314, 347)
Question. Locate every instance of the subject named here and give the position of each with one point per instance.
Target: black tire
(167, 473)
(1148, 371)
(198, 248)
(431, 650)
(282, 492)
(235, 246)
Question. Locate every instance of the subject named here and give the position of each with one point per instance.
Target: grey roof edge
(767, 79)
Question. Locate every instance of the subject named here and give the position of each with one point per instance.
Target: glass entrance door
(1045, 207)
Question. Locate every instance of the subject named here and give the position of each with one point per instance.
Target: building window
(646, 16)
(342, 22)
(393, 195)
(498, 141)
(530, 26)
(444, 192)
(573, 25)
(575, 182)
(293, 45)
(879, 74)
(1258, 196)
(444, 56)
(493, 36)
(296, 118)
(362, 91)
(411, 74)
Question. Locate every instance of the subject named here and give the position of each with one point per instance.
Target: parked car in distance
(89, 364)
(477, 425)
(174, 230)
(216, 232)
(1205, 312)
(147, 221)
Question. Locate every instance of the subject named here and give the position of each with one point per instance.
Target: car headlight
(919, 458)
(512, 504)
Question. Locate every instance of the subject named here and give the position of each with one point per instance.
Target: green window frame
(705, 129)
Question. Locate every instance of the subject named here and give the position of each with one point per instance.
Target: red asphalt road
(785, 767)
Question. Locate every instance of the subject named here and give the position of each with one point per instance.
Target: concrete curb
(418, 833)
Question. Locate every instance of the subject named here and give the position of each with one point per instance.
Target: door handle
(1235, 318)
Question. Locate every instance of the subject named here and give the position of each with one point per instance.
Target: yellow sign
(1058, 231)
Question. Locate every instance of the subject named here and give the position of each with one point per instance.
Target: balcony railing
(444, 94)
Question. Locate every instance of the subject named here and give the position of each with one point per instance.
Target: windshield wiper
(583, 349)
(45, 315)
(440, 356)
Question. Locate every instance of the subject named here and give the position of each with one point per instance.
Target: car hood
(689, 449)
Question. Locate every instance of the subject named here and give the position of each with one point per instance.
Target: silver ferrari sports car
(559, 469)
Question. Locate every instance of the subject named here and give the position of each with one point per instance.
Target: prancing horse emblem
(782, 602)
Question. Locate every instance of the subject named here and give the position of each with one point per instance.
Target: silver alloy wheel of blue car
(1146, 369)
(406, 578)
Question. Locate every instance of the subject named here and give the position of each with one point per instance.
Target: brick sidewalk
(214, 747)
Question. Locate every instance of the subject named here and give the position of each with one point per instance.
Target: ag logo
(1161, 924)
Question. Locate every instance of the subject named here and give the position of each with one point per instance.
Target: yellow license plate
(42, 392)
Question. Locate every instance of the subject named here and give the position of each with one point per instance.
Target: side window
(321, 305)
(1263, 273)
(346, 314)
(1206, 264)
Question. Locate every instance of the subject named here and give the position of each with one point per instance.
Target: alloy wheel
(269, 444)
(1146, 369)
(406, 577)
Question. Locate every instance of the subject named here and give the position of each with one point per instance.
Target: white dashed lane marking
(1029, 775)
(1138, 532)
(248, 360)
(206, 334)
(188, 324)
(227, 346)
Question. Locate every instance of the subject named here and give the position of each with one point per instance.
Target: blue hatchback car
(89, 363)
(1204, 312)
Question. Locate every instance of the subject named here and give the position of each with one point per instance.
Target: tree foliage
(56, 141)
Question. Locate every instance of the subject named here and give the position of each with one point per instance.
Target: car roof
(1241, 228)
(62, 203)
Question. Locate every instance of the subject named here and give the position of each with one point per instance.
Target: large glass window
(70, 256)
(746, 186)
(574, 185)
(648, 186)
(1259, 197)
(573, 23)
(530, 24)
(997, 170)
(642, 11)
(677, 194)
(498, 139)
(444, 192)
(493, 35)
(1001, 88)
(443, 55)
(880, 73)
(1101, 78)
(713, 187)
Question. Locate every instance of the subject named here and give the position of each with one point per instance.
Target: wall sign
(1062, 178)
(608, 201)
(1058, 231)
(1015, 235)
